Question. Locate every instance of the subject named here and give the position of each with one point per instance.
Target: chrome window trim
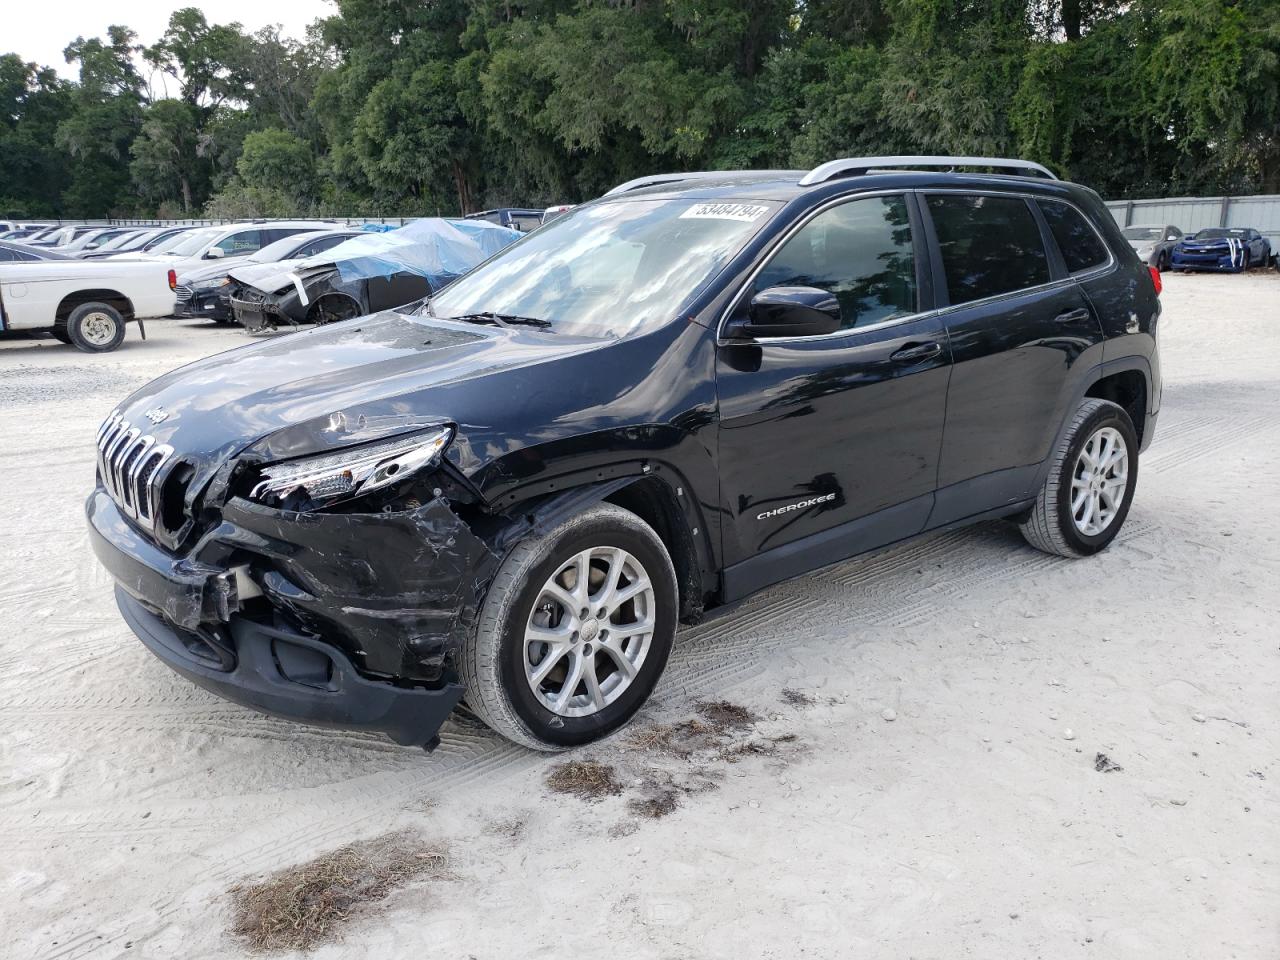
(1089, 274)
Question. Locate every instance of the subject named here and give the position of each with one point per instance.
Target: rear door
(1023, 336)
(828, 445)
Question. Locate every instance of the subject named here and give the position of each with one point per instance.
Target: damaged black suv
(689, 389)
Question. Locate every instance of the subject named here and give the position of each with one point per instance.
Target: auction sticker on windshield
(747, 212)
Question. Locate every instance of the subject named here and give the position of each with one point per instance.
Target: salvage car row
(1220, 249)
(262, 273)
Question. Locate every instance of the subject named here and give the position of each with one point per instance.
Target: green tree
(107, 115)
(167, 164)
(33, 171)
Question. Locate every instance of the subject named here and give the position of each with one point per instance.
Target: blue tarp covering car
(1226, 249)
(368, 273)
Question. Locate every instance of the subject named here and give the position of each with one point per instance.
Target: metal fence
(1190, 214)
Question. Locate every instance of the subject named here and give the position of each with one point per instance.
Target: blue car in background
(1230, 249)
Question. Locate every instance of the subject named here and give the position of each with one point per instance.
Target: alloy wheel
(590, 629)
(1099, 481)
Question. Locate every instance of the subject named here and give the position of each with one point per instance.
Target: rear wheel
(1086, 496)
(574, 633)
(95, 327)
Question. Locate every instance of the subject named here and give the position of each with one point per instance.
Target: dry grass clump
(707, 731)
(677, 739)
(724, 715)
(306, 905)
(766, 747)
(586, 779)
(797, 698)
(655, 807)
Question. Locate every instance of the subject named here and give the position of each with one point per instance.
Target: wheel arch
(1126, 383)
(656, 493)
(113, 298)
(313, 309)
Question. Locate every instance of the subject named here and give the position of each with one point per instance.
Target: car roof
(44, 253)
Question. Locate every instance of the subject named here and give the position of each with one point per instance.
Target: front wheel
(574, 632)
(1092, 474)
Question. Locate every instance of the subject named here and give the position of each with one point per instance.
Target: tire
(1052, 525)
(95, 327)
(496, 661)
(1245, 261)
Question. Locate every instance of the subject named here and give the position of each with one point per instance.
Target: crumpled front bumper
(209, 304)
(352, 620)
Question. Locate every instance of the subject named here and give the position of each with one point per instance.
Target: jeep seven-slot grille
(129, 465)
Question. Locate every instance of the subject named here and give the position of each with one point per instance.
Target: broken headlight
(331, 477)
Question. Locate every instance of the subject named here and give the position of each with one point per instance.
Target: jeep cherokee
(689, 389)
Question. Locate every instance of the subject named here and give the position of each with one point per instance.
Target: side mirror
(791, 312)
(214, 253)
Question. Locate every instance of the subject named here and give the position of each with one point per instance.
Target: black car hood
(340, 384)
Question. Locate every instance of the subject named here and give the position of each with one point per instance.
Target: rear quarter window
(1081, 247)
(990, 245)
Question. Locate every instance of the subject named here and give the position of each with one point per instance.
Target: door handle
(1078, 315)
(915, 352)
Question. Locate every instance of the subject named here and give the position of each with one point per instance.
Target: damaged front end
(333, 589)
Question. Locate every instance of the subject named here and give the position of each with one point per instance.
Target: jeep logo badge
(157, 414)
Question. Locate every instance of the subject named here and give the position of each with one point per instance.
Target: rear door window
(319, 246)
(861, 251)
(1081, 247)
(990, 245)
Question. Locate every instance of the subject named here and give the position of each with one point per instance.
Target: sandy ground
(970, 825)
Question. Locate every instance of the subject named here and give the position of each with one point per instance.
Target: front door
(828, 445)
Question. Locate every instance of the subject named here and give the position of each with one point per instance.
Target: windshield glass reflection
(609, 269)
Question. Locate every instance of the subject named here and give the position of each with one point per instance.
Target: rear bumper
(287, 674)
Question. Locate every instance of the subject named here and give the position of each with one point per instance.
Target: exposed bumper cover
(290, 675)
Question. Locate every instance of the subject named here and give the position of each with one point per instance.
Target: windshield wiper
(502, 320)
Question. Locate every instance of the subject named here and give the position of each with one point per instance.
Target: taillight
(1155, 279)
(173, 281)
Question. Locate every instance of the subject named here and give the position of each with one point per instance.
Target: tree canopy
(404, 107)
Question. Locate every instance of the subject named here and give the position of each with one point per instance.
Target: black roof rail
(860, 166)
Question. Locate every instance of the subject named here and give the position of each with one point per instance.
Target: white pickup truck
(85, 303)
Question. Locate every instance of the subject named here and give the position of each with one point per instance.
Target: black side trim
(826, 547)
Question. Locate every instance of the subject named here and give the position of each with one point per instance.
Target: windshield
(117, 242)
(1143, 233)
(193, 243)
(165, 244)
(1217, 233)
(274, 252)
(608, 269)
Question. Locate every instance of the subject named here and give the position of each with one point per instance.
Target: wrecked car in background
(367, 274)
(206, 291)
